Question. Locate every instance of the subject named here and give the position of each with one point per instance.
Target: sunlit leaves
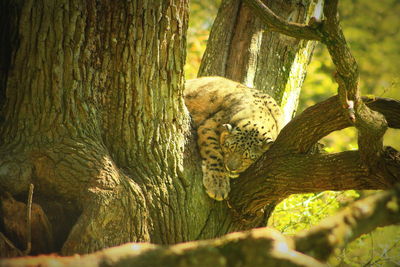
(299, 212)
(378, 248)
(202, 15)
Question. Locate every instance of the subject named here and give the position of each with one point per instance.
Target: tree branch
(274, 178)
(257, 247)
(325, 117)
(310, 126)
(390, 108)
(371, 125)
(276, 23)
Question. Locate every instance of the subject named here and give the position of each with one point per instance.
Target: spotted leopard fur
(235, 126)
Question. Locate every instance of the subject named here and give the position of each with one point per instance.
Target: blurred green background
(372, 29)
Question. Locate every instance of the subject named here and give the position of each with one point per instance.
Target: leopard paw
(217, 187)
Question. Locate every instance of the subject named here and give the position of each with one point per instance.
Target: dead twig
(29, 221)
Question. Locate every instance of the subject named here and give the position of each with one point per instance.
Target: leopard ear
(228, 127)
(225, 133)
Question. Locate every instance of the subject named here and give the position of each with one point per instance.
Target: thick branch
(275, 177)
(258, 247)
(390, 108)
(310, 126)
(276, 23)
(326, 117)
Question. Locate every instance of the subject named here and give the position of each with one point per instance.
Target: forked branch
(371, 125)
(278, 24)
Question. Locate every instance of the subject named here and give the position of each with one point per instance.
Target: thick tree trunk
(94, 117)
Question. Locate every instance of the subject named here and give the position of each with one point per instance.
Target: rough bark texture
(93, 88)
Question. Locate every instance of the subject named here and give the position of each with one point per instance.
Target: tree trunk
(94, 117)
(242, 48)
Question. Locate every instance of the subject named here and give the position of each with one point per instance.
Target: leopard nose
(232, 164)
(230, 167)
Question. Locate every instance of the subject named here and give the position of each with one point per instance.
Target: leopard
(235, 125)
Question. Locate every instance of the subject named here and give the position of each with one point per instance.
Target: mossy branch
(257, 247)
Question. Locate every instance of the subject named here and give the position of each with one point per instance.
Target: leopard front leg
(215, 181)
(215, 176)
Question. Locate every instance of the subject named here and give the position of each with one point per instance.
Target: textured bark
(258, 247)
(85, 81)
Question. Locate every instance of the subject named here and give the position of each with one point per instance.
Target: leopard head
(241, 148)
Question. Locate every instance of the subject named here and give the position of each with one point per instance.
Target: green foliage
(372, 29)
(301, 211)
(202, 15)
(378, 248)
